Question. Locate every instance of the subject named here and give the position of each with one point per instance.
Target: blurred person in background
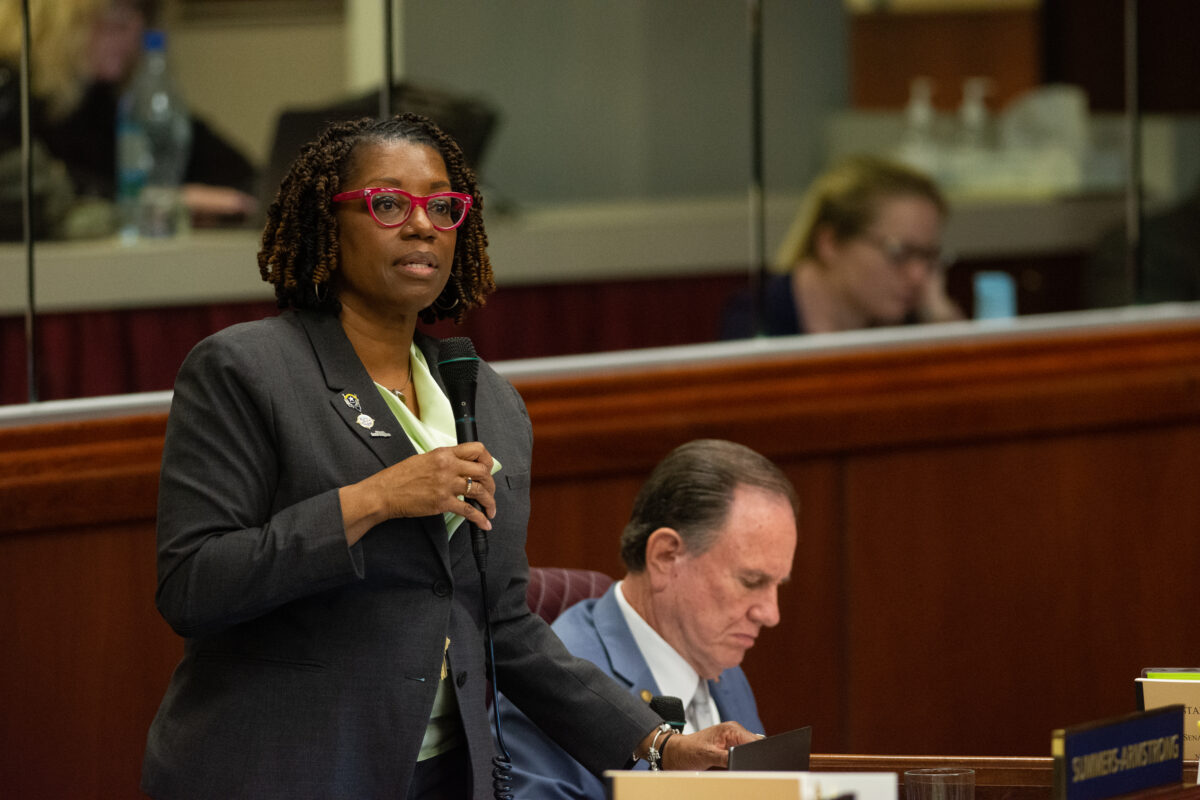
(864, 251)
(83, 53)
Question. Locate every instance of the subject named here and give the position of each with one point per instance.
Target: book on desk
(1164, 686)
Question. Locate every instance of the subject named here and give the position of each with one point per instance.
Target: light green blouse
(433, 429)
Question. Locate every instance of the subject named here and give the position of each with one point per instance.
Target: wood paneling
(996, 535)
(80, 474)
(888, 50)
(1041, 568)
(1084, 44)
(86, 659)
(1081, 42)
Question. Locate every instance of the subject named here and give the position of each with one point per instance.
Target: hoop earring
(319, 294)
(440, 305)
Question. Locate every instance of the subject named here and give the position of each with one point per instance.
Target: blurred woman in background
(864, 251)
(82, 55)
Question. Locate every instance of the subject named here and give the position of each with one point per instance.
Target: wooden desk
(990, 524)
(996, 778)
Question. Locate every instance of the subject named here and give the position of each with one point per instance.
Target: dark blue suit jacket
(594, 629)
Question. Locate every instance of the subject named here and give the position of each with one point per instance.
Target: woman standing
(311, 496)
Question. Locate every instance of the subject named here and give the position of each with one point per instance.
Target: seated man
(710, 540)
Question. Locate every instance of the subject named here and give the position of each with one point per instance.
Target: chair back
(552, 590)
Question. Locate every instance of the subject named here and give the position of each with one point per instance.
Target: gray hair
(691, 491)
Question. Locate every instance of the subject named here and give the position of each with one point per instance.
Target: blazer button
(461, 679)
(441, 587)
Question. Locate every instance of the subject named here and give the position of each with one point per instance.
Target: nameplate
(1119, 755)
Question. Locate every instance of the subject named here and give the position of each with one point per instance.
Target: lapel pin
(364, 420)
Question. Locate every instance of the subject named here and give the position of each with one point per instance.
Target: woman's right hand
(424, 484)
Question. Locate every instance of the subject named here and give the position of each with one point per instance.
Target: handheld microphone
(459, 367)
(670, 709)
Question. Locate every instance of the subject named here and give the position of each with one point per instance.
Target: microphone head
(457, 360)
(670, 709)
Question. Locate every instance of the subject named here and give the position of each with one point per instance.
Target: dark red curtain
(93, 353)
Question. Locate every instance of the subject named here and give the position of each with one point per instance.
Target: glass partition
(616, 142)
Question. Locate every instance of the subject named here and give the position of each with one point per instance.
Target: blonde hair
(846, 199)
(59, 31)
(60, 34)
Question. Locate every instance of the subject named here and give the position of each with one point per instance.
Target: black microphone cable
(459, 367)
(502, 781)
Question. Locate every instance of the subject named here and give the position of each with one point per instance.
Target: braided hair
(300, 247)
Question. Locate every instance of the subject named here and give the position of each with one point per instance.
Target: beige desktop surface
(628, 785)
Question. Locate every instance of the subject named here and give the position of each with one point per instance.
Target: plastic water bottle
(154, 140)
(918, 147)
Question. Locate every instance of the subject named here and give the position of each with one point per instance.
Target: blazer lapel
(628, 664)
(352, 393)
(356, 401)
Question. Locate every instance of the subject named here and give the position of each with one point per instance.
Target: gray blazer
(310, 667)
